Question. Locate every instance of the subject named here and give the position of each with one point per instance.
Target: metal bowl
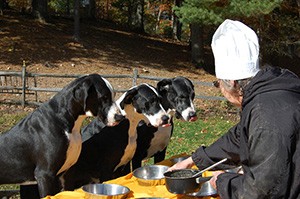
(150, 175)
(178, 159)
(106, 191)
(205, 190)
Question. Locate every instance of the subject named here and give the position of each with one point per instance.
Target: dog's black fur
(108, 149)
(177, 97)
(39, 147)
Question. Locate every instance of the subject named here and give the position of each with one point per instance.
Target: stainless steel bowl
(205, 190)
(150, 175)
(151, 198)
(179, 159)
(106, 191)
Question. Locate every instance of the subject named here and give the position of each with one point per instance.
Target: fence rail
(23, 84)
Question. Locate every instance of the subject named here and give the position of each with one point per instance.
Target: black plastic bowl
(182, 182)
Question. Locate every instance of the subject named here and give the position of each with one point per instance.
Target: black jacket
(265, 141)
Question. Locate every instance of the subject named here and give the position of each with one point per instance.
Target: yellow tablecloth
(137, 190)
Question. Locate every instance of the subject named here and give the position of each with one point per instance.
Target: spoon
(208, 168)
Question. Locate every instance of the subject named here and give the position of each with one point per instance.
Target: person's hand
(185, 164)
(213, 180)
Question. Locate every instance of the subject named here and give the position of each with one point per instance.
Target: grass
(189, 136)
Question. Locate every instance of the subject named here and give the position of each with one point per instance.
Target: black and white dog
(108, 149)
(48, 141)
(177, 97)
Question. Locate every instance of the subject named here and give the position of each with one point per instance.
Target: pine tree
(201, 13)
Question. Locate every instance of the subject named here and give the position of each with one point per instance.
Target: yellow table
(137, 190)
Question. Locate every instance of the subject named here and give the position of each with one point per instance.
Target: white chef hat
(236, 51)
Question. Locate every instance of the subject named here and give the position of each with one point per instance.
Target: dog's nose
(165, 119)
(119, 117)
(192, 116)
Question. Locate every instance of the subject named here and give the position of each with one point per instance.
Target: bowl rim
(106, 184)
(149, 166)
(167, 174)
(202, 193)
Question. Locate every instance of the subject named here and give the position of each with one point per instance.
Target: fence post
(135, 76)
(23, 83)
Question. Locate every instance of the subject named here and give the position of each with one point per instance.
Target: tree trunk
(92, 9)
(298, 3)
(1, 6)
(76, 20)
(40, 9)
(158, 20)
(68, 8)
(197, 49)
(136, 16)
(177, 25)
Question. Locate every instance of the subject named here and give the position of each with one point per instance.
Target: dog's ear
(127, 98)
(90, 101)
(82, 90)
(190, 82)
(163, 85)
(86, 93)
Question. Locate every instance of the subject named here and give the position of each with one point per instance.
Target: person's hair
(238, 87)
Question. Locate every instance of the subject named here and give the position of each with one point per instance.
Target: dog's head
(178, 95)
(94, 96)
(143, 100)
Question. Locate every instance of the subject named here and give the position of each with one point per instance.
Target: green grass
(188, 136)
(8, 120)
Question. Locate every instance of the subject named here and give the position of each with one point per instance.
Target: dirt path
(49, 48)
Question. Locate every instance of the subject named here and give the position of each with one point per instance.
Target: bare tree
(76, 20)
(196, 39)
(298, 3)
(40, 9)
(92, 9)
(177, 25)
(136, 15)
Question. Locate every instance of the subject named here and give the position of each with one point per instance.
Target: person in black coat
(265, 142)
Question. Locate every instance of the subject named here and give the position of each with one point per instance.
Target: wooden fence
(22, 87)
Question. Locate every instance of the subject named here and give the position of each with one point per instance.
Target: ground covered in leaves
(105, 49)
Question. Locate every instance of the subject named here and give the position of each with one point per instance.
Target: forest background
(191, 22)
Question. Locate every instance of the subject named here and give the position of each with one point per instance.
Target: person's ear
(233, 83)
(237, 86)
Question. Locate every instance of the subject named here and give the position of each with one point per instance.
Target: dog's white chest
(159, 141)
